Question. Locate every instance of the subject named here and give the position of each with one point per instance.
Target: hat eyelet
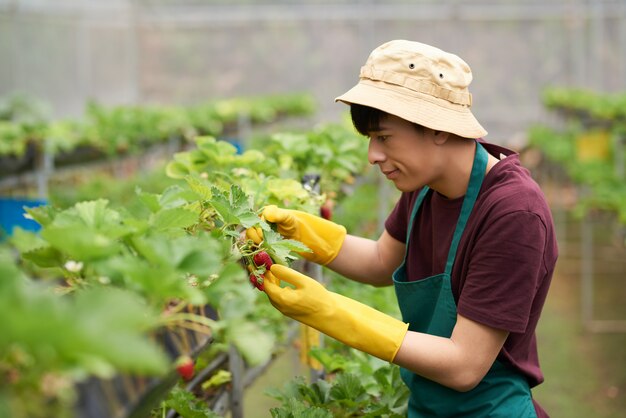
(411, 66)
(440, 75)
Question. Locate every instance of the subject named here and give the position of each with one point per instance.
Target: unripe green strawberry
(185, 367)
(263, 259)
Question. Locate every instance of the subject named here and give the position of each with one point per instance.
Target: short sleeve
(397, 221)
(505, 270)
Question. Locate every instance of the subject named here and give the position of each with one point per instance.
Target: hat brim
(432, 112)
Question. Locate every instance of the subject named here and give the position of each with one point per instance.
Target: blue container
(12, 214)
(236, 142)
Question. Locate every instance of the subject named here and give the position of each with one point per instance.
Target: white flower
(74, 266)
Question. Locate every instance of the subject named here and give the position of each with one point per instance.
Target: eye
(382, 138)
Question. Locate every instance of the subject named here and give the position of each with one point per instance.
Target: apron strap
(416, 206)
(476, 181)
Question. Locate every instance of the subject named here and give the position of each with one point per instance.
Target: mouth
(391, 174)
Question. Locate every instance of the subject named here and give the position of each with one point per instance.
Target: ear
(439, 137)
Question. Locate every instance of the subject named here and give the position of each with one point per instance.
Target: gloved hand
(337, 316)
(323, 237)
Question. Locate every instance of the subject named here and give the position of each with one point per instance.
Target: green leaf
(176, 170)
(294, 408)
(254, 344)
(220, 378)
(173, 218)
(80, 243)
(282, 249)
(26, 240)
(222, 206)
(201, 189)
(347, 387)
(187, 405)
(286, 189)
(174, 196)
(150, 200)
(44, 257)
(44, 215)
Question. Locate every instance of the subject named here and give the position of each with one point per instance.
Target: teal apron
(429, 307)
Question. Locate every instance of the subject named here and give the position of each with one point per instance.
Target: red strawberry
(263, 259)
(326, 212)
(185, 367)
(257, 281)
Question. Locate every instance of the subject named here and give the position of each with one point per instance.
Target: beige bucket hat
(419, 83)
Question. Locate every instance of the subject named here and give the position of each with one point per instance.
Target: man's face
(405, 155)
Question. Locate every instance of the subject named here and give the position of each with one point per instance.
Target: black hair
(367, 119)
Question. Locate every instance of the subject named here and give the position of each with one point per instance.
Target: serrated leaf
(347, 387)
(186, 405)
(201, 189)
(44, 257)
(224, 210)
(95, 213)
(248, 219)
(281, 249)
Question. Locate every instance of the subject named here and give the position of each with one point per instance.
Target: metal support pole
(244, 129)
(45, 166)
(236, 366)
(618, 154)
(586, 270)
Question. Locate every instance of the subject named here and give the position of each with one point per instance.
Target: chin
(407, 188)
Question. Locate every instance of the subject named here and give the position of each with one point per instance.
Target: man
(470, 245)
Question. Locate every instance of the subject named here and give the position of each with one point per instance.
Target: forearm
(459, 362)
(367, 261)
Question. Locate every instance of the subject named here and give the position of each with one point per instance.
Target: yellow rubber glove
(323, 237)
(337, 316)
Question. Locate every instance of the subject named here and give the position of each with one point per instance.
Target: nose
(375, 153)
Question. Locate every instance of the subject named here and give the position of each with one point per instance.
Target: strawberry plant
(333, 151)
(50, 342)
(371, 392)
(186, 405)
(171, 254)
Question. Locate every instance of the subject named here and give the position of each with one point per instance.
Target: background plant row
(123, 129)
(587, 142)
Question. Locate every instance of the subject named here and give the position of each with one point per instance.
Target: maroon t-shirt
(505, 258)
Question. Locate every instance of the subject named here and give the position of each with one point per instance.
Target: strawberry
(326, 212)
(257, 281)
(185, 367)
(263, 259)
